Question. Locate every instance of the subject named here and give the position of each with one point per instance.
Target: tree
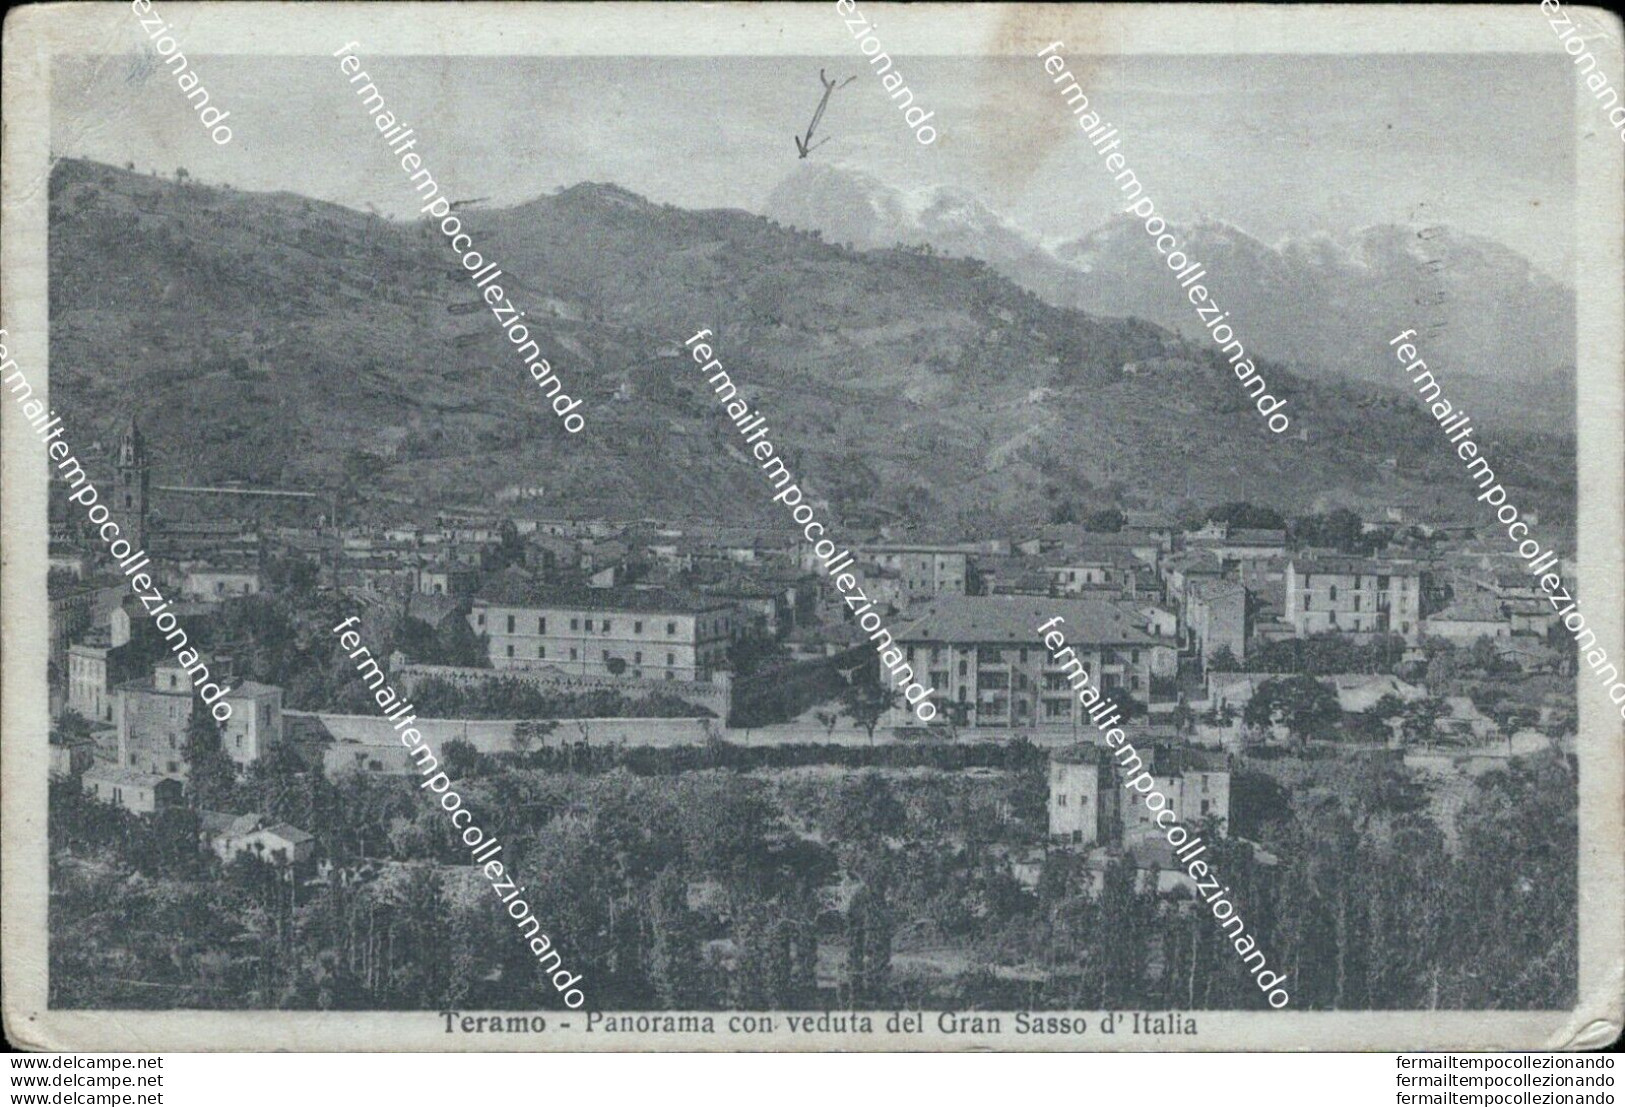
(211, 774)
(1304, 705)
(866, 809)
(866, 702)
(1184, 719)
(1247, 516)
(1223, 660)
(754, 653)
(1109, 520)
(827, 720)
(1339, 529)
(528, 732)
(72, 725)
(869, 930)
(460, 759)
(1421, 718)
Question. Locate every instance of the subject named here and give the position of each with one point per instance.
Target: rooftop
(1215, 589)
(655, 600)
(126, 778)
(1355, 566)
(991, 619)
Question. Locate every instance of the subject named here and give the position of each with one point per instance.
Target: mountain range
(286, 342)
(1499, 329)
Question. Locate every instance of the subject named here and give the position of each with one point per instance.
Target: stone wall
(715, 695)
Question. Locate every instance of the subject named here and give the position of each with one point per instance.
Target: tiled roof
(127, 778)
(1214, 589)
(599, 599)
(1356, 566)
(1016, 619)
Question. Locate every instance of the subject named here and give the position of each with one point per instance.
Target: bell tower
(131, 485)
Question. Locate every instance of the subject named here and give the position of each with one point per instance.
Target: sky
(1275, 144)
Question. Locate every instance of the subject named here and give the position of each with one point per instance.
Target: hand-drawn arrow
(805, 146)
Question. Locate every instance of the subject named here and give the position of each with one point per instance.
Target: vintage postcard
(812, 527)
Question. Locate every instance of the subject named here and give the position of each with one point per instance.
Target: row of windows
(637, 657)
(993, 655)
(578, 623)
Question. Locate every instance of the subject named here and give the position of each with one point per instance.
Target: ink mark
(805, 145)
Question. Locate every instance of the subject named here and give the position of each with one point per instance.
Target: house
(142, 793)
(95, 667)
(1466, 722)
(153, 715)
(1074, 571)
(1238, 543)
(1360, 692)
(215, 584)
(1179, 570)
(71, 756)
(1474, 616)
(1353, 595)
(1196, 783)
(230, 835)
(922, 571)
(1078, 779)
(445, 578)
(1216, 611)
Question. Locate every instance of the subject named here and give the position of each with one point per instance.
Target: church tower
(130, 487)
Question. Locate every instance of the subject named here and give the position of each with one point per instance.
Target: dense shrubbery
(512, 698)
(1320, 654)
(638, 873)
(782, 693)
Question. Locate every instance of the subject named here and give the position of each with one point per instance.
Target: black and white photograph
(825, 527)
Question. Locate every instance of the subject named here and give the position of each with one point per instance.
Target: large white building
(1196, 783)
(1082, 803)
(648, 634)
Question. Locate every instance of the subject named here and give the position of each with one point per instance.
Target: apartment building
(1074, 571)
(95, 668)
(651, 634)
(986, 658)
(1354, 595)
